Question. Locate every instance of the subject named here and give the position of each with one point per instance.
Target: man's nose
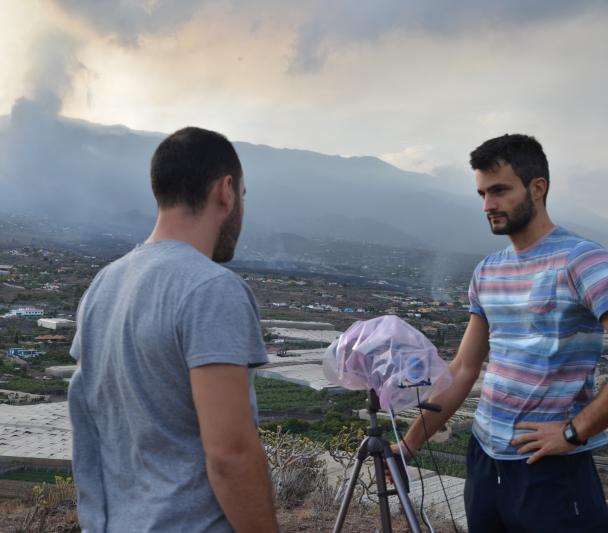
(489, 203)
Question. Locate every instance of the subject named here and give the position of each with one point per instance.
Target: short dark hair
(187, 163)
(523, 152)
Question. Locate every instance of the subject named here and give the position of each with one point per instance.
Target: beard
(228, 236)
(518, 219)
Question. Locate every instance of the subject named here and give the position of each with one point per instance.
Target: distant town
(40, 289)
(304, 307)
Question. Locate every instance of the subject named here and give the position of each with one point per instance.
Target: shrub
(296, 466)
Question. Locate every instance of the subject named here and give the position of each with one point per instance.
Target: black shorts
(557, 493)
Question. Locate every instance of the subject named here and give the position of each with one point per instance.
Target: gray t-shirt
(146, 319)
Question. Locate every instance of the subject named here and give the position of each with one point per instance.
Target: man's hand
(397, 454)
(546, 437)
(406, 453)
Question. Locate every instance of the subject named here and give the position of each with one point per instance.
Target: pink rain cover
(390, 356)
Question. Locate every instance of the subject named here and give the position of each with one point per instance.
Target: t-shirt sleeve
(76, 348)
(587, 270)
(219, 322)
(474, 304)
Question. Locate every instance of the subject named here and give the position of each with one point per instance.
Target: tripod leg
(349, 490)
(406, 503)
(385, 510)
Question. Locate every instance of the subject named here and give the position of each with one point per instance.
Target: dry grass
(49, 509)
(12, 506)
(308, 518)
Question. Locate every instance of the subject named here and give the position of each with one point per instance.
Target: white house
(56, 323)
(24, 311)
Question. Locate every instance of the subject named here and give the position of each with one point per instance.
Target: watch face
(568, 432)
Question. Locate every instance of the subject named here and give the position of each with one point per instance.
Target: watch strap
(571, 435)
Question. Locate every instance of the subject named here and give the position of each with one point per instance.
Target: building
(56, 323)
(24, 312)
(23, 353)
(51, 338)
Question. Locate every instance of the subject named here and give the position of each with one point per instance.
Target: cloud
(322, 26)
(581, 190)
(127, 20)
(415, 158)
(390, 77)
(53, 65)
(342, 22)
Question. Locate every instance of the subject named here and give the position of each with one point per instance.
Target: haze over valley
(95, 178)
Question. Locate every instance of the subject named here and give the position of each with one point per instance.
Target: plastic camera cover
(390, 356)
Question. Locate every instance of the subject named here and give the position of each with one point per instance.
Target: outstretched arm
(236, 462)
(548, 438)
(465, 370)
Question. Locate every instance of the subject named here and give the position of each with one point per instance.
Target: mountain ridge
(97, 175)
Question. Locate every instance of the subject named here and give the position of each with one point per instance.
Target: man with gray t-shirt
(162, 404)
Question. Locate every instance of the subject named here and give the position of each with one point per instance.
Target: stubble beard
(518, 219)
(228, 236)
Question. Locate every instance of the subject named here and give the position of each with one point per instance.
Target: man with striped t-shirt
(539, 309)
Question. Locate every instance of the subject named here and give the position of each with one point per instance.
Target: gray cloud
(342, 22)
(57, 167)
(53, 64)
(126, 20)
(323, 25)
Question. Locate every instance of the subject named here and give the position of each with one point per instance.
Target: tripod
(376, 446)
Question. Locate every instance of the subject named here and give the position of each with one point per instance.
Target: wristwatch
(571, 435)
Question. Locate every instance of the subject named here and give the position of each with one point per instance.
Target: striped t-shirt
(543, 306)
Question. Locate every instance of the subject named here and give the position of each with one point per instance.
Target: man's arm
(236, 462)
(548, 438)
(465, 370)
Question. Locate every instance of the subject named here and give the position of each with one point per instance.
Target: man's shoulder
(569, 239)
(161, 268)
(574, 246)
(178, 259)
(560, 242)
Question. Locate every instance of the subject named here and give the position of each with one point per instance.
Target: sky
(416, 83)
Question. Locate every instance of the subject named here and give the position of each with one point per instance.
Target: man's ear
(538, 188)
(223, 191)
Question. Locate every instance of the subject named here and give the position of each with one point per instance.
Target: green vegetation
(335, 411)
(37, 476)
(35, 386)
(303, 345)
(53, 357)
(273, 395)
(457, 444)
(335, 415)
(321, 431)
(277, 395)
(9, 367)
(444, 466)
(298, 403)
(295, 314)
(345, 402)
